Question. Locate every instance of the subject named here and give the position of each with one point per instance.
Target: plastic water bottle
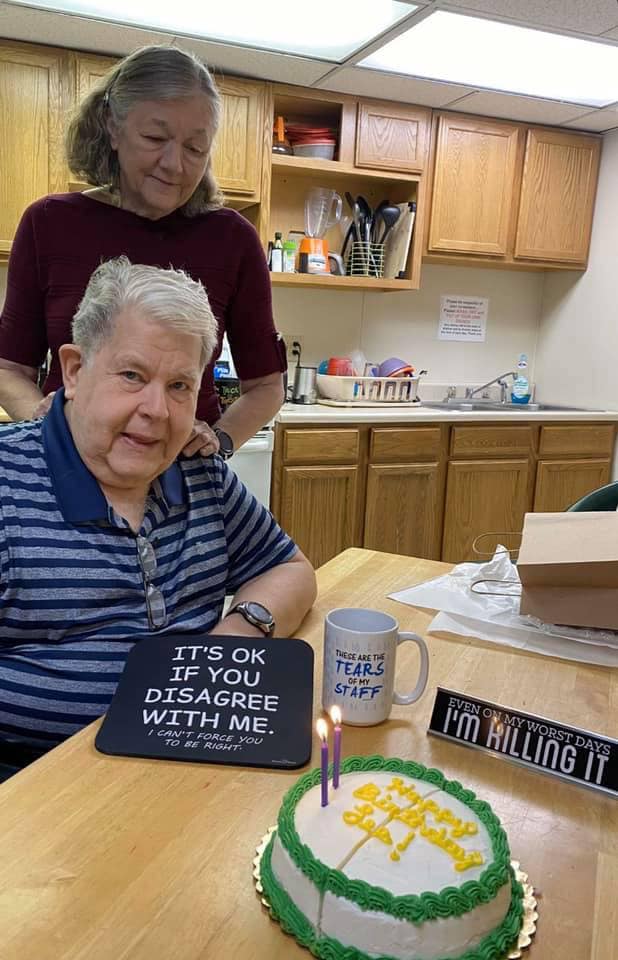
(521, 387)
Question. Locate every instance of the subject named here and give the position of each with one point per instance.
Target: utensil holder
(366, 260)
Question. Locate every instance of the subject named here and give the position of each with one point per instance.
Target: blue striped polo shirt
(72, 593)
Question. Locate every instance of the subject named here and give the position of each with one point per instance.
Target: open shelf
(330, 282)
(304, 166)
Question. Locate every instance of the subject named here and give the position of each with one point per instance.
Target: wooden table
(112, 858)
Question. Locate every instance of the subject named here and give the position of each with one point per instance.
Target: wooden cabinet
(392, 136)
(31, 128)
(511, 195)
(431, 489)
(89, 69)
(484, 497)
(557, 196)
(560, 483)
(238, 156)
(473, 192)
(320, 509)
(404, 499)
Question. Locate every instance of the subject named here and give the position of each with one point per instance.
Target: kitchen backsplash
(406, 324)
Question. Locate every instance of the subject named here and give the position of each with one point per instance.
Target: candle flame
(322, 728)
(335, 715)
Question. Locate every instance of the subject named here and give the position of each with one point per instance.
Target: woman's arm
(19, 394)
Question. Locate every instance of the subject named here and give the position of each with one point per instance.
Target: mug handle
(406, 698)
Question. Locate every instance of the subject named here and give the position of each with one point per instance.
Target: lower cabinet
(484, 497)
(559, 483)
(320, 509)
(430, 490)
(403, 509)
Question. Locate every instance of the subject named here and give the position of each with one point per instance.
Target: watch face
(259, 612)
(226, 444)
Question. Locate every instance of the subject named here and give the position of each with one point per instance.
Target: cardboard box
(568, 565)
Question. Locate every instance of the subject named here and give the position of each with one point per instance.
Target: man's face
(133, 404)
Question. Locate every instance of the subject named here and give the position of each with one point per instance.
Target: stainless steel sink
(455, 403)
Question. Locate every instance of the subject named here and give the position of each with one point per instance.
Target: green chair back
(605, 498)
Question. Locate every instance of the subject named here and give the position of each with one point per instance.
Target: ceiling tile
(279, 67)
(524, 109)
(391, 86)
(41, 26)
(593, 17)
(597, 122)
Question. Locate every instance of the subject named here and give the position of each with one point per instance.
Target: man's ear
(71, 362)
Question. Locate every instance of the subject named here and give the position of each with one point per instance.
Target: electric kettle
(304, 388)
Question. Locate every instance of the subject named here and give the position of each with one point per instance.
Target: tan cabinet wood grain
(473, 190)
(585, 440)
(557, 196)
(321, 446)
(560, 483)
(89, 69)
(405, 444)
(492, 441)
(31, 129)
(320, 509)
(403, 512)
(392, 136)
(484, 497)
(237, 157)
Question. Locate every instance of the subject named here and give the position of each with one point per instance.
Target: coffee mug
(360, 649)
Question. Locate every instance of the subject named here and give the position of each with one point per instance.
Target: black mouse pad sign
(236, 700)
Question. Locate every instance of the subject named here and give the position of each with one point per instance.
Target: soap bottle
(521, 386)
(276, 255)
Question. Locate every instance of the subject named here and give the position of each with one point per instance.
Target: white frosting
(422, 866)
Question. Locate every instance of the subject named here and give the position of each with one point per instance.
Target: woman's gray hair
(169, 297)
(151, 73)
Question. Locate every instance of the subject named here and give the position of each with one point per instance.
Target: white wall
(405, 324)
(577, 355)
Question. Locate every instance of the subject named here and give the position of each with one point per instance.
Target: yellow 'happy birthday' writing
(413, 817)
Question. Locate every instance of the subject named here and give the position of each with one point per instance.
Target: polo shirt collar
(78, 493)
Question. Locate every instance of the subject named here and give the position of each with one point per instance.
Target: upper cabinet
(473, 194)
(89, 69)
(392, 136)
(31, 128)
(511, 195)
(239, 148)
(557, 196)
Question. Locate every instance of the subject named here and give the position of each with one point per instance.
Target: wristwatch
(226, 444)
(257, 615)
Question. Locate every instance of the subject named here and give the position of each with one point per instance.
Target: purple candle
(322, 734)
(335, 715)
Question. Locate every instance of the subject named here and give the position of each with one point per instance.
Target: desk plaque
(579, 756)
(217, 699)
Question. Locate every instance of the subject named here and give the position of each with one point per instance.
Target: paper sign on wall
(462, 318)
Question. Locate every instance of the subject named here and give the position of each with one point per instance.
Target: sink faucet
(499, 380)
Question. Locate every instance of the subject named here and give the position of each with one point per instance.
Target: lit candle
(322, 729)
(335, 715)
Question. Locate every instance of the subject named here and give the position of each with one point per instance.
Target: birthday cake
(401, 863)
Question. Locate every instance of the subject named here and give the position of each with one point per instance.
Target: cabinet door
(403, 512)
(31, 116)
(559, 483)
(237, 156)
(392, 136)
(320, 509)
(473, 185)
(88, 71)
(484, 496)
(557, 196)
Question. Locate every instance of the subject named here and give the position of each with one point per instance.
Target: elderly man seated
(106, 538)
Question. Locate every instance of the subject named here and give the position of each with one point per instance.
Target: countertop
(417, 413)
(106, 856)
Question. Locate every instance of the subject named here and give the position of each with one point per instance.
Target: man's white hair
(169, 297)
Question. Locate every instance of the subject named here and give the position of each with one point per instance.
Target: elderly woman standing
(143, 139)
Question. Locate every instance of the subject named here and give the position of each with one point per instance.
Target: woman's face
(163, 147)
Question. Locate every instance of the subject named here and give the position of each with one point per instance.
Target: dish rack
(368, 389)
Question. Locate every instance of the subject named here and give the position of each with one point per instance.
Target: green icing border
(449, 902)
(493, 946)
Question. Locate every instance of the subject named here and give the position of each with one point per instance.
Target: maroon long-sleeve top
(62, 238)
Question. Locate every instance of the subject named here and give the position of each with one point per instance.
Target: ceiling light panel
(324, 29)
(498, 56)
